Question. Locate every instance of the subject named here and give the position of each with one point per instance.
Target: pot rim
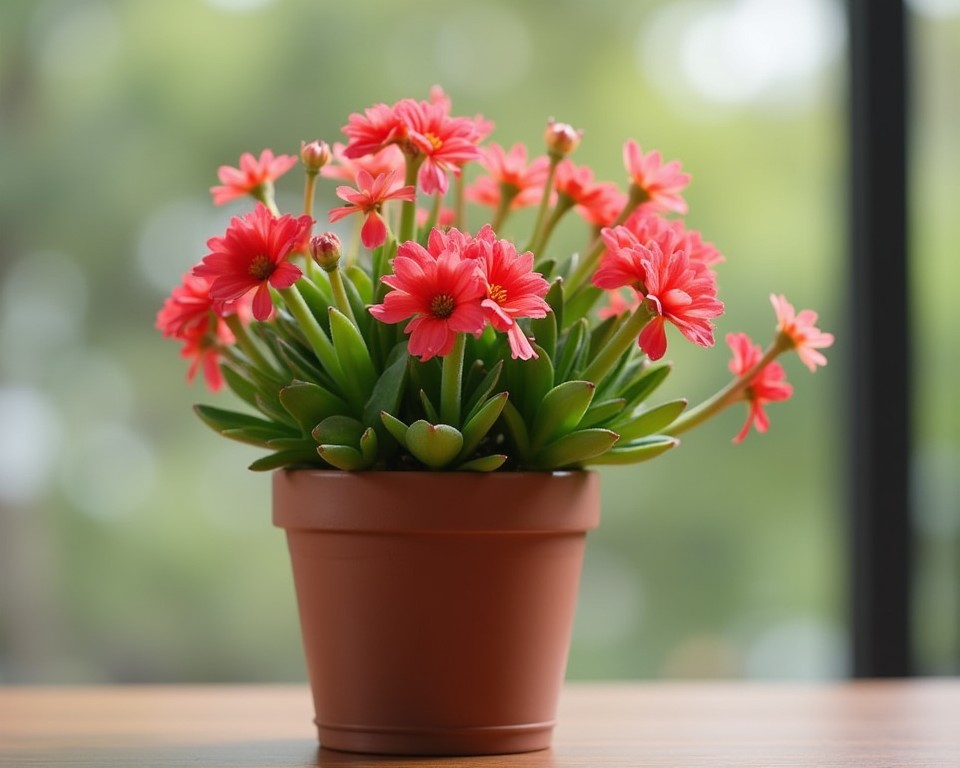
(566, 501)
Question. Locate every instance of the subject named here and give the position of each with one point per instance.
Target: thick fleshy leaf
(477, 427)
(575, 448)
(600, 412)
(429, 408)
(644, 386)
(639, 450)
(560, 411)
(538, 380)
(338, 430)
(483, 463)
(369, 446)
(389, 389)
(572, 350)
(482, 390)
(285, 459)
(344, 457)
(310, 404)
(436, 445)
(220, 419)
(241, 386)
(650, 421)
(395, 427)
(517, 429)
(353, 356)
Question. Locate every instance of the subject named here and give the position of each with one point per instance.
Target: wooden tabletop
(848, 725)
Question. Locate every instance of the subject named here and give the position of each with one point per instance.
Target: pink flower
(388, 159)
(439, 290)
(598, 202)
(378, 127)
(251, 176)
(510, 170)
(768, 385)
(803, 335)
(513, 291)
(650, 226)
(368, 198)
(674, 288)
(661, 183)
(446, 143)
(252, 254)
(189, 315)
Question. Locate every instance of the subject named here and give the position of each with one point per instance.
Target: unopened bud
(561, 138)
(314, 155)
(325, 251)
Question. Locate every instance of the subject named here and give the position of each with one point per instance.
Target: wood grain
(838, 725)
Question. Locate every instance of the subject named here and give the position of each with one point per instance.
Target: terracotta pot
(436, 607)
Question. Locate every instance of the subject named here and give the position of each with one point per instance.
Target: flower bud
(325, 251)
(561, 138)
(314, 155)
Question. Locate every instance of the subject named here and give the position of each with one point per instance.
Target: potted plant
(431, 397)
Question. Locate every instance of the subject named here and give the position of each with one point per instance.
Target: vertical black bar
(880, 325)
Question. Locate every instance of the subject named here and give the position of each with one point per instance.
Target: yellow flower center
(434, 140)
(441, 305)
(260, 268)
(498, 293)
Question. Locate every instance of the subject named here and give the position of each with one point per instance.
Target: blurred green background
(134, 544)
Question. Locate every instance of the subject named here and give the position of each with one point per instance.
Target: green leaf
(241, 386)
(395, 427)
(651, 421)
(251, 436)
(554, 298)
(537, 374)
(362, 282)
(342, 456)
(291, 444)
(483, 390)
(388, 391)
(219, 419)
(436, 445)
(560, 411)
(338, 430)
(284, 459)
(602, 411)
(269, 405)
(644, 386)
(353, 355)
(575, 448)
(580, 303)
(518, 431)
(310, 403)
(428, 407)
(570, 351)
(319, 298)
(637, 451)
(483, 463)
(369, 446)
(480, 424)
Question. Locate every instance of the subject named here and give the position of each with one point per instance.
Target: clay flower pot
(436, 607)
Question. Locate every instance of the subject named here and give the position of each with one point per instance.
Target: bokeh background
(135, 545)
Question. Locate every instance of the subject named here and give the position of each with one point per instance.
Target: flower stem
(507, 193)
(544, 203)
(309, 189)
(564, 204)
(247, 344)
(353, 249)
(408, 209)
(459, 202)
(321, 345)
(451, 383)
(727, 396)
(619, 343)
(340, 293)
(585, 267)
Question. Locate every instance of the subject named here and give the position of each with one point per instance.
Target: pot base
(493, 740)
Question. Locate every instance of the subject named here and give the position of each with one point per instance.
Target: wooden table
(875, 724)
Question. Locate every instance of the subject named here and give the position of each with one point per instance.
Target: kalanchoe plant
(433, 348)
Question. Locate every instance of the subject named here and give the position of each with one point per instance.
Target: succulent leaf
(436, 445)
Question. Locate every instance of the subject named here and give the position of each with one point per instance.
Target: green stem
(507, 193)
(248, 345)
(353, 249)
(727, 396)
(545, 202)
(451, 383)
(321, 345)
(459, 202)
(564, 204)
(309, 189)
(586, 266)
(340, 294)
(408, 210)
(621, 341)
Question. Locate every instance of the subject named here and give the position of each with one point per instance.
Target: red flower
(661, 183)
(378, 127)
(368, 198)
(768, 385)
(251, 176)
(510, 170)
(674, 287)
(513, 290)
(252, 254)
(439, 289)
(648, 226)
(593, 199)
(388, 159)
(803, 335)
(189, 316)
